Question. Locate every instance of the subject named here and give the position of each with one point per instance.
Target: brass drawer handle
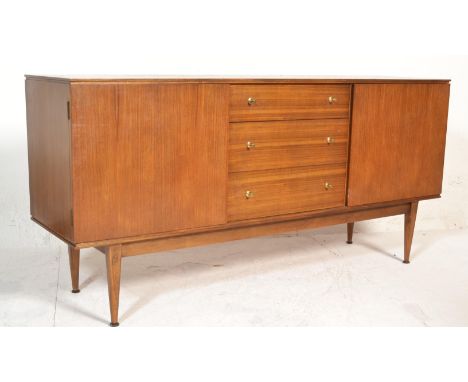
(331, 99)
(251, 101)
(250, 145)
(328, 186)
(249, 194)
(330, 140)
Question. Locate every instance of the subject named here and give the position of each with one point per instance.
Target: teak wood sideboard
(139, 165)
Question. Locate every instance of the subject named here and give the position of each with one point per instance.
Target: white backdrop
(423, 38)
(242, 38)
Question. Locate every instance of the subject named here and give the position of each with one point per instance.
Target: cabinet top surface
(233, 79)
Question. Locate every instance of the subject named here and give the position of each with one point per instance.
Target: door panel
(148, 158)
(397, 142)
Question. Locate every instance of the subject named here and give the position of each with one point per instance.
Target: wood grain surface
(285, 191)
(235, 79)
(148, 158)
(397, 142)
(268, 228)
(280, 102)
(282, 144)
(49, 155)
(114, 269)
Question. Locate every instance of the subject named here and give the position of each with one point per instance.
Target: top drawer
(283, 102)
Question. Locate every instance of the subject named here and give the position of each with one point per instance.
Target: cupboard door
(148, 158)
(397, 142)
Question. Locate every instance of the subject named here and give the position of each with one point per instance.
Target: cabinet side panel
(49, 155)
(397, 142)
(148, 158)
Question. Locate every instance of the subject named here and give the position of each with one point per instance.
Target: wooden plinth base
(114, 252)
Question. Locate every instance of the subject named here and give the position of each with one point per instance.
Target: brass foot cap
(75, 291)
(349, 242)
(114, 324)
(405, 261)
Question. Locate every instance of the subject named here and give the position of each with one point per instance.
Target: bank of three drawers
(288, 149)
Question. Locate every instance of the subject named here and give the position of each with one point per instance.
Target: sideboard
(134, 165)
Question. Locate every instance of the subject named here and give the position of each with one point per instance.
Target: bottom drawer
(256, 194)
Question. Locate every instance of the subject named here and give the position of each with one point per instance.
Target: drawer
(278, 192)
(282, 102)
(282, 144)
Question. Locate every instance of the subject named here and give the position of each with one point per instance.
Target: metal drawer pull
(328, 186)
(249, 194)
(251, 101)
(330, 140)
(331, 99)
(250, 145)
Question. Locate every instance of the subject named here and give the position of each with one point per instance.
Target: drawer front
(282, 144)
(282, 102)
(277, 192)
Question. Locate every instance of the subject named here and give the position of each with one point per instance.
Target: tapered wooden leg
(113, 262)
(350, 233)
(74, 257)
(410, 220)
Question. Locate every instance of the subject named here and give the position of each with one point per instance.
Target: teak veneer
(134, 165)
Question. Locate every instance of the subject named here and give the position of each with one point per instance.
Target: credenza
(135, 165)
